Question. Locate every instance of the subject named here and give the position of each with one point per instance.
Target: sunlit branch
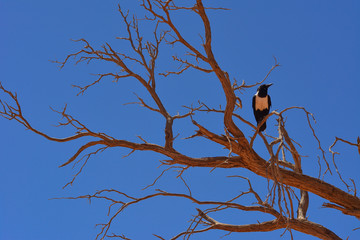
(244, 86)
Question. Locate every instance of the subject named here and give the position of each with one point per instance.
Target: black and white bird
(261, 104)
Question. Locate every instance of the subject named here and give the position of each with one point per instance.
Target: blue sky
(316, 42)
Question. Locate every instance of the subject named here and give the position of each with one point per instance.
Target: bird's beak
(269, 84)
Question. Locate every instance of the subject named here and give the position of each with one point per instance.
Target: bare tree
(287, 199)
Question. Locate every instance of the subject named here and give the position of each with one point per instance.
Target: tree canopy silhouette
(285, 198)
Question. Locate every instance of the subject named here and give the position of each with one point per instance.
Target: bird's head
(262, 89)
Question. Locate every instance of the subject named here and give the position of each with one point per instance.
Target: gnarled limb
(304, 226)
(283, 175)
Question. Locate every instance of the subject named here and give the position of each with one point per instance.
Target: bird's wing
(269, 101)
(253, 103)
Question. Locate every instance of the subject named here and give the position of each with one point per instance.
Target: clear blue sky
(316, 42)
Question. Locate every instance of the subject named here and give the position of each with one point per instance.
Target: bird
(261, 103)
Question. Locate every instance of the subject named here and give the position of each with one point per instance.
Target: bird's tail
(263, 127)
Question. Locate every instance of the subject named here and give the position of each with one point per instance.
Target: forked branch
(284, 174)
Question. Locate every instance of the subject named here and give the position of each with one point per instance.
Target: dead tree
(287, 200)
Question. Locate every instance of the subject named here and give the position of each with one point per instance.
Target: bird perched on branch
(261, 103)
